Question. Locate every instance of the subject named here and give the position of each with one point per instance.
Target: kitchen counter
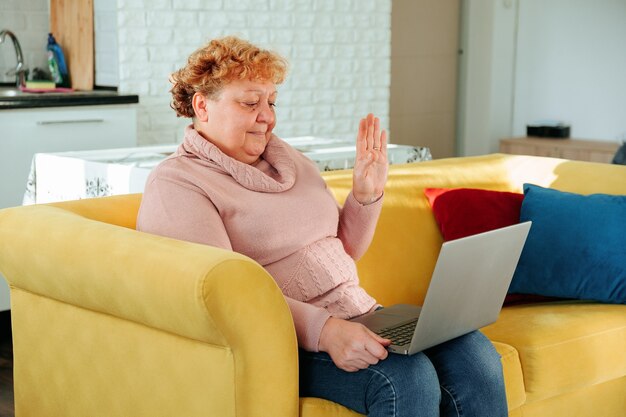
(12, 98)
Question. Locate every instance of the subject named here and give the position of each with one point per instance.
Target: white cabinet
(24, 132)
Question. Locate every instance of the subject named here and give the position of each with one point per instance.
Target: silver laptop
(466, 292)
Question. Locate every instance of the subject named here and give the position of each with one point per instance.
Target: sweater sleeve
(357, 224)
(309, 321)
(173, 209)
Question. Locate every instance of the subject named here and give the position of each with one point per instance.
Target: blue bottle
(56, 63)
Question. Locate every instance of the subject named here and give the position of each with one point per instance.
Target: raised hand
(371, 165)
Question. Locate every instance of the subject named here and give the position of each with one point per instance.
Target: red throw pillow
(462, 212)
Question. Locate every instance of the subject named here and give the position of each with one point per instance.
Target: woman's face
(240, 121)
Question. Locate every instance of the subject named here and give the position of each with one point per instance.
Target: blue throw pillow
(576, 247)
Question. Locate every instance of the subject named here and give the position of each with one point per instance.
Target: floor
(6, 366)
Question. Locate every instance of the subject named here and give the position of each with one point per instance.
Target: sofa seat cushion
(564, 346)
(317, 407)
(513, 376)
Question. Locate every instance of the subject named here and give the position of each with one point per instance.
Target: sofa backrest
(120, 210)
(400, 261)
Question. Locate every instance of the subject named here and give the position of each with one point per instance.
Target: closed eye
(253, 105)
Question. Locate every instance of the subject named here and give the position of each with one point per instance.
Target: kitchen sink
(13, 93)
(10, 92)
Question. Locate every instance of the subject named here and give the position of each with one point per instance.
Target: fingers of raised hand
(370, 136)
(371, 120)
(383, 143)
(376, 139)
(376, 135)
(361, 137)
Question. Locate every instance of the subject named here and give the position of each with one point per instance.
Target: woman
(235, 185)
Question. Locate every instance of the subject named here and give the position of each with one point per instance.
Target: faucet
(20, 71)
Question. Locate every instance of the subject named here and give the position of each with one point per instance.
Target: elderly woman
(233, 184)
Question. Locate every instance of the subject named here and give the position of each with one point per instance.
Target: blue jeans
(462, 377)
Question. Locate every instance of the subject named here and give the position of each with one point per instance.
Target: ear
(199, 104)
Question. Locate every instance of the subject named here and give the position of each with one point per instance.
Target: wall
(486, 75)
(571, 61)
(527, 60)
(339, 51)
(29, 21)
(424, 54)
(105, 40)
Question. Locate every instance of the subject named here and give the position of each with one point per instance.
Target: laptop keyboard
(400, 335)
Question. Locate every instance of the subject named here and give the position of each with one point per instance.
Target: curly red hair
(222, 60)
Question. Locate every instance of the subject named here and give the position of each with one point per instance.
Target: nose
(266, 114)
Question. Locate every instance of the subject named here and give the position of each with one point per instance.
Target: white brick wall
(29, 21)
(339, 54)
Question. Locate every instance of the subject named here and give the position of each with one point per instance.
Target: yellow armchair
(113, 322)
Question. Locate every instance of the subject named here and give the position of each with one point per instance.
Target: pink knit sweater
(278, 212)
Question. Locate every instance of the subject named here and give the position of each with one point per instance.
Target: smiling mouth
(258, 133)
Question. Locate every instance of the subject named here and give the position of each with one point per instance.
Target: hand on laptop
(352, 346)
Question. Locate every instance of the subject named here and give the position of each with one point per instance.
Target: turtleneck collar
(276, 154)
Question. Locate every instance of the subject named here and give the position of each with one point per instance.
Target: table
(65, 176)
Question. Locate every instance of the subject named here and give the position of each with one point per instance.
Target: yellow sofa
(108, 321)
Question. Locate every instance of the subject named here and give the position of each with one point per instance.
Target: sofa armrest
(202, 293)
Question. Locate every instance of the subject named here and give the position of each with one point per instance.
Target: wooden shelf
(576, 149)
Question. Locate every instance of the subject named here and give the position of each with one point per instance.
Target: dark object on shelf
(40, 74)
(555, 130)
(620, 155)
